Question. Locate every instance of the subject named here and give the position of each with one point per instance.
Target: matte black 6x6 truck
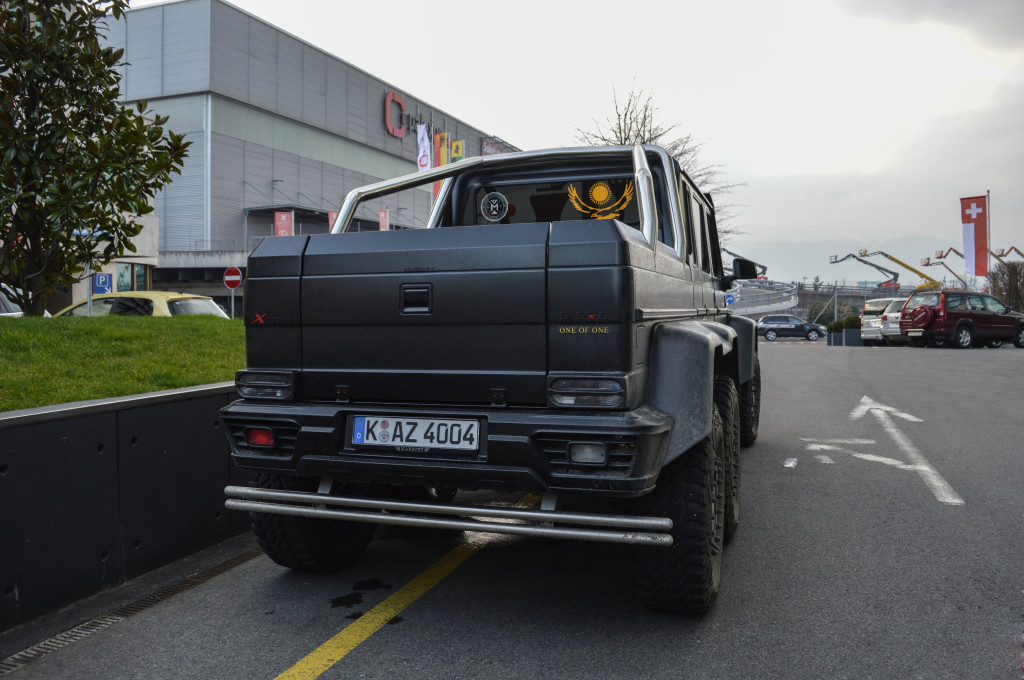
(557, 329)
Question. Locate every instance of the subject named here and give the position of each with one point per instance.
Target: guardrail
(753, 297)
(95, 493)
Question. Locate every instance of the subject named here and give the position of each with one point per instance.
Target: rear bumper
(519, 449)
(871, 333)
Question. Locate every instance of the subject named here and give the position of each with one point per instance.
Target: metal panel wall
(95, 493)
(227, 169)
(144, 47)
(186, 47)
(171, 487)
(289, 76)
(184, 114)
(183, 222)
(314, 87)
(58, 498)
(229, 52)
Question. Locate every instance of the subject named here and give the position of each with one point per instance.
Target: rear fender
(745, 344)
(683, 360)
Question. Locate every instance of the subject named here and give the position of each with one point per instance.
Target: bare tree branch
(635, 121)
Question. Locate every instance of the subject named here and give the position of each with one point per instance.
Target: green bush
(834, 327)
(851, 322)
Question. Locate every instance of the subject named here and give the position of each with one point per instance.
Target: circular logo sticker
(494, 207)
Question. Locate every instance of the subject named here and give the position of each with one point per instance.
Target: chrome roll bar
(643, 178)
(488, 519)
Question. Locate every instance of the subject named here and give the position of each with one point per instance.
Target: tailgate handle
(416, 298)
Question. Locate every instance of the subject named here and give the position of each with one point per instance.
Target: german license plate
(434, 433)
(914, 334)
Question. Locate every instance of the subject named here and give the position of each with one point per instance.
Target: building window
(132, 276)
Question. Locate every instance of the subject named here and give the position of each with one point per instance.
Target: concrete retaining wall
(95, 493)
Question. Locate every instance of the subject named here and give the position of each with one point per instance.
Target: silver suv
(871, 320)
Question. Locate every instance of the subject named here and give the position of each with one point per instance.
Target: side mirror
(741, 269)
(744, 269)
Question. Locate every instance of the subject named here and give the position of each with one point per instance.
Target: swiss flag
(974, 217)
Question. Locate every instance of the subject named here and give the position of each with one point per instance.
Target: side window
(994, 305)
(697, 225)
(705, 248)
(686, 253)
(131, 306)
(100, 307)
(954, 301)
(975, 304)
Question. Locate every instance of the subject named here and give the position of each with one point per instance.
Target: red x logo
(591, 317)
(260, 318)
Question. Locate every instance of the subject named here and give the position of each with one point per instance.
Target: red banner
(284, 224)
(332, 217)
(974, 218)
(383, 220)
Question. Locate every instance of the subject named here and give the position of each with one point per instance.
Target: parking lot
(879, 538)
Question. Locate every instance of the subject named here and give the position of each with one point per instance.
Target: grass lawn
(52, 361)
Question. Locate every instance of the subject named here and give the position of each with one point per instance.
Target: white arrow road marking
(882, 459)
(825, 460)
(918, 463)
(868, 404)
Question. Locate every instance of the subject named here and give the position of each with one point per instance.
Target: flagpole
(988, 231)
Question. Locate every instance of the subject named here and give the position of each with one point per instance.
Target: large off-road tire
(684, 578)
(750, 406)
(305, 543)
(727, 400)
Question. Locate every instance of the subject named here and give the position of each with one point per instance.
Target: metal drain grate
(69, 637)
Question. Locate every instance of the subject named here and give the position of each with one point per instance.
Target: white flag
(423, 137)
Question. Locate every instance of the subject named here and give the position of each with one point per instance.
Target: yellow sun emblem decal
(601, 194)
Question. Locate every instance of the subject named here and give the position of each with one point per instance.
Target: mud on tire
(305, 543)
(685, 577)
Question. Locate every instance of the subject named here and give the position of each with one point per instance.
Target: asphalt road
(882, 536)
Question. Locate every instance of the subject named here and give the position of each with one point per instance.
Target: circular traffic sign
(730, 298)
(232, 277)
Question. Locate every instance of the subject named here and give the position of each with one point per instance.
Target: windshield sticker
(494, 207)
(607, 207)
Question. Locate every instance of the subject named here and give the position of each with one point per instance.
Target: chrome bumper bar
(520, 522)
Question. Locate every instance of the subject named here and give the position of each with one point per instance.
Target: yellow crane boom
(930, 283)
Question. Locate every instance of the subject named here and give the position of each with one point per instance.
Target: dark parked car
(961, 319)
(784, 326)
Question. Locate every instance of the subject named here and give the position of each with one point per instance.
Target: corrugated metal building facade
(275, 124)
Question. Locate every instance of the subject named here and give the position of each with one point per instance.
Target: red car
(960, 318)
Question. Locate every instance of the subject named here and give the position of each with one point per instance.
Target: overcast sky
(849, 123)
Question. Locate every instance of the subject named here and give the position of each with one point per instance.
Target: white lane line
(838, 441)
(825, 460)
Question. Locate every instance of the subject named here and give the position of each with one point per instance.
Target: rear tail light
(264, 385)
(259, 436)
(587, 392)
(942, 305)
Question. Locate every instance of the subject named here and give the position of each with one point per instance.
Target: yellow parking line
(335, 649)
(332, 651)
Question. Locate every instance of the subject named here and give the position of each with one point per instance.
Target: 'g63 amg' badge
(494, 207)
